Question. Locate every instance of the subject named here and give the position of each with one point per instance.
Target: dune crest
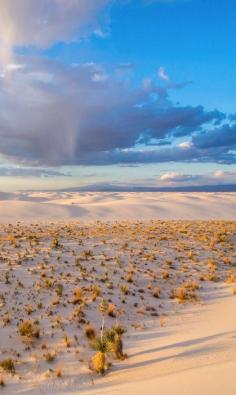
(41, 206)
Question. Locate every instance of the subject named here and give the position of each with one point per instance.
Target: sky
(121, 92)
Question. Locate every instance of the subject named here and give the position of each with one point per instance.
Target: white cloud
(13, 67)
(223, 177)
(41, 23)
(170, 176)
(185, 144)
(162, 74)
(219, 174)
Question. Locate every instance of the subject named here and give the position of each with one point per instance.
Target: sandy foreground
(194, 354)
(170, 284)
(44, 206)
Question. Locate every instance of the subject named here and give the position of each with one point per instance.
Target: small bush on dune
(115, 342)
(99, 360)
(180, 294)
(2, 383)
(59, 289)
(49, 357)
(77, 296)
(8, 365)
(96, 292)
(29, 329)
(89, 332)
(156, 292)
(111, 310)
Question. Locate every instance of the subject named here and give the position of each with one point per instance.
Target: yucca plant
(99, 360)
(103, 307)
(115, 342)
(119, 331)
(96, 292)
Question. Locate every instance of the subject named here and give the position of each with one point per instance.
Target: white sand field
(171, 284)
(194, 354)
(86, 206)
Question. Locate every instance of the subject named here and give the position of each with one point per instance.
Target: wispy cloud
(42, 23)
(178, 178)
(186, 144)
(11, 171)
(162, 74)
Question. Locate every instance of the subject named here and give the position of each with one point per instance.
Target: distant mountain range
(130, 188)
(23, 195)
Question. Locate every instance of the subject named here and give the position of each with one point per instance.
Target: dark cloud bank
(52, 115)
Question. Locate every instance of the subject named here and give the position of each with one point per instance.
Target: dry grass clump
(162, 321)
(29, 330)
(129, 278)
(78, 296)
(125, 289)
(111, 311)
(67, 341)
(192, 285)
(212, 244)
(59, 290)
(89, 332)
(156, 292)
(8, 365)
(211, 277)
(58, 371)
(96, 292)
(49, 357)
(231, 278)
(2, 382)
(6, 320)
(165, 275)
(180, 294)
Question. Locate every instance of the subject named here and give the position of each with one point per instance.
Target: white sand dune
(117, 205)
(194, 354)
(176, 345)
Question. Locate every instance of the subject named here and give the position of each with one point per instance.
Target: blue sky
(194, 39)
(138, 92)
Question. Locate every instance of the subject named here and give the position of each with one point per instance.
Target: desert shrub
(99, 360)
(78, 296)
(125, 289)
(8, 365)
(58, 371)
(96, 292)
(181, 294)
(2, 383)
(165, 275)
(156, 292)
(59, 289)
(29, 329)
(49, 357)
(115, 342)
(89, 332)
(111, 310)
(129, 278)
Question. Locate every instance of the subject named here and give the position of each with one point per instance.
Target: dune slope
(115, 206)
(194, 354)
